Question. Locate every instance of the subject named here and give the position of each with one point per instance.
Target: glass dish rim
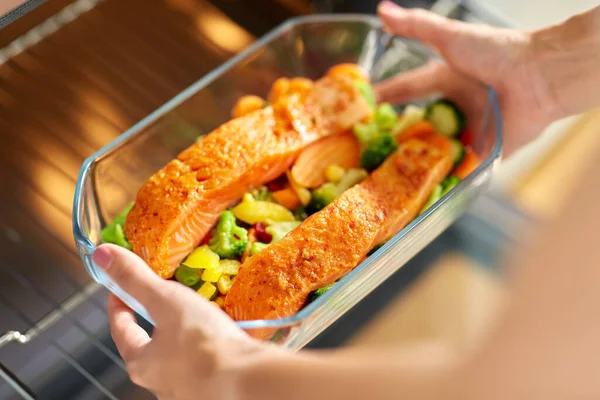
(83, 240)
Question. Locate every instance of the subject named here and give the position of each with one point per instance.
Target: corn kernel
(304, 195)
(224, 284)
(220, 301)
(230, 267)
(207, 290)
(334, 173)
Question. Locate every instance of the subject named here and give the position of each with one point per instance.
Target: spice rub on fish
(276, 282)
(177, 206)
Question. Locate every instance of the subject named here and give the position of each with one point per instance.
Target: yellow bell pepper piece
(212, 274)
(230, 267)
(207, 290)
(202, 257)
(252, 211)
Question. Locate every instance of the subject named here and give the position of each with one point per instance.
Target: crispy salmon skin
(276, 282)
(179, 204)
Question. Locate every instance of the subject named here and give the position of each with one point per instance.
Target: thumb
(136, 278)
(417, 23)
(165, 300)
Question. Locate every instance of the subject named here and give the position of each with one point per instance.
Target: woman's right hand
(501, 58)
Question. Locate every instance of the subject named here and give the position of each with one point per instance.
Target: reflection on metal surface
(50, 26)
(223, 32)
(50, 319)
(67, 89)
(215, 25)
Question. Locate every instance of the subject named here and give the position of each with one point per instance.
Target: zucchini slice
(446, 118)
(410, 116)
(458, 151)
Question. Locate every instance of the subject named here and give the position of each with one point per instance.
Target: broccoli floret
(114, 232)
(322, 196)
(262, 193)
(377, 151)
(300, 213)
(319, 292)
(365, 132)
(385, 116)
(278, 230)
(229, 240)
(257, 247)
(325, 194)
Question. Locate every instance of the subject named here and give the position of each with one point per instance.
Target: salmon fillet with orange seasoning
(276, 282)
(177, 207)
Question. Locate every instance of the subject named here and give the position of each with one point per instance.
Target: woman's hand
(195, 346)
(501, 58)
(197, 352)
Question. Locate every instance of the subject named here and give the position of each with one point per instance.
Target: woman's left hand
(195, 347)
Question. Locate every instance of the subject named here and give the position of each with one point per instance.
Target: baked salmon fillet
(177, 206)
(277, 281)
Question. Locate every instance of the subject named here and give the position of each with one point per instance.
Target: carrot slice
(419, 130)
(469, 163)
(354, 71)
(287, 198)
(279, 88)
(303, 193)
(310, 166)
(246, 105)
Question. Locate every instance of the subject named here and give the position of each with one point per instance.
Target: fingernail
(103, 257)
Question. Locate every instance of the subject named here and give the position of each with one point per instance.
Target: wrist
(566, 58)
(253, 375)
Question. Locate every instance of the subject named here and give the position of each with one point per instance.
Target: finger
(128, 336)
(136, 278)
(417, 23)
(411, 85)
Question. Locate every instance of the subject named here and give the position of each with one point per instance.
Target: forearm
(567, 57)
(547, 344)
(419, 372)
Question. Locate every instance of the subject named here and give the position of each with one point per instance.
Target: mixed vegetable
(322, 172)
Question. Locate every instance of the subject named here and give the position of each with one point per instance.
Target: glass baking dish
(305, 46)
